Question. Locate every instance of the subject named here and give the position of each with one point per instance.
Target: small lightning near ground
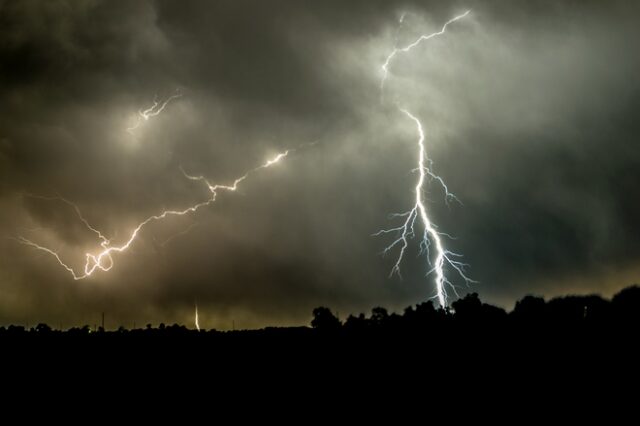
(196, 320)
(102, 259)
(442, 259)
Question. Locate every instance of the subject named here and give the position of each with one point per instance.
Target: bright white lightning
(234, 186)
(424, 37)
(103, 259)
(443, 258)
(196, 320)
(152, 111)
(430, 235)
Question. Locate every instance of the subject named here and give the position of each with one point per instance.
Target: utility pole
(103, 321)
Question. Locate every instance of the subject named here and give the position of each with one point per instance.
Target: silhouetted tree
(568, 309)
(493, 314)
(426, 312)
(529, 309)
(43, 328)
(323, 319)
(379, 316)
(468, 308)
(356, 324)
(626, 304)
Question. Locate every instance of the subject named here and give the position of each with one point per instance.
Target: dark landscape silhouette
(572, 340)
(468, 317)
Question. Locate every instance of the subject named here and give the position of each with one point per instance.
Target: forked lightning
(431, 237)
(103, 260)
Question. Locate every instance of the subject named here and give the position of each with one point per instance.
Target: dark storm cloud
(529, 109)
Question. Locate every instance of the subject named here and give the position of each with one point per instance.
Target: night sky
(530, 111)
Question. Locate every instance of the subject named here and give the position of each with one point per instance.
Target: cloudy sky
(530, 115)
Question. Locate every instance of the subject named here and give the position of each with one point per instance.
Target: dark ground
(542, 355)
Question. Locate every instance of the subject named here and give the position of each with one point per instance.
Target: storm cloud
(530, 112)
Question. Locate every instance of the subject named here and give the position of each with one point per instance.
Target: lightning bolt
(105, 241)
(154, 110)
(431, 237)
(197, 322)
(424, 37)
(430, 234)
(103, 260)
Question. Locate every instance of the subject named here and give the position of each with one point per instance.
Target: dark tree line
(467, 315)
(470, 312)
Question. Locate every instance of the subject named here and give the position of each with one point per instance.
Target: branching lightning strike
(443, 258)
(152, 111)
(103, 260)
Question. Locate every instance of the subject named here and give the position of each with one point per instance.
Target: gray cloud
(529, 109)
